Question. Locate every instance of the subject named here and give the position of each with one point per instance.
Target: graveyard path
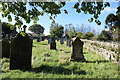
(48, 63)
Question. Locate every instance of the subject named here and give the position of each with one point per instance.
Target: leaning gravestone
(77, 50)
(21, 52)
(53, 45)
(5, 48)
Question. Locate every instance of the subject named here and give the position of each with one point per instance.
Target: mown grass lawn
(48, 63)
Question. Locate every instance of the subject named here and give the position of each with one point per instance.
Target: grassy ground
(48, 63)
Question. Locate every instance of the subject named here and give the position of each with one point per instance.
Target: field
(48, 63)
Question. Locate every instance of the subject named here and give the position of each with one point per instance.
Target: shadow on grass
(85, 52)
(67, 51)
(56, 70)
(97, 61)
(43, 44)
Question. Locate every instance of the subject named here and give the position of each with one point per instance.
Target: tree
(7, 28)
(21, 11)
(70, 30)
(113, 22)
(56, 31)
(104, 36)
(37, 28)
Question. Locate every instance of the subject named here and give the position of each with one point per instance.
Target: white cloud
(109, 10)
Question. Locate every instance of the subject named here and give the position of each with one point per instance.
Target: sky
(72, 17)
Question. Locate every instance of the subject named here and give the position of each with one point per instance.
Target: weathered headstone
(39, 39)
(0, 49)
(5, 48)
(0, 29)
(61, 41)
(49, 41)
(21, 52)
(68, 43)
(0, 39)
(53, 45)
(77, 51)
(42, 38)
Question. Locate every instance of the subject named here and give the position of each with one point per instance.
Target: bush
(84, 36)
(88, 35)
(79, 34)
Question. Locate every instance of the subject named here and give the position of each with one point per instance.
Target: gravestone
(42, 38)
(61, 41)
(68, 43)
(21, 52)
(49, 41)
(0, 49)
(0, 30)
(5, 48)
(0, 39)
(39, 39)
(77, 51)
(53, 45)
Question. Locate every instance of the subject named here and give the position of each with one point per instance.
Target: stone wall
(109, 50)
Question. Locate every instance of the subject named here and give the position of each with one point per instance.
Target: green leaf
(76, 5)
(50, 17)
(9, 18)
(66, 12)
(90, 20)
(22, 33)
(78, 10)
(107, 4)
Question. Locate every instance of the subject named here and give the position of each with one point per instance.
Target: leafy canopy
(37, 28)
(32, 10)
(7, 28)
(56, 30)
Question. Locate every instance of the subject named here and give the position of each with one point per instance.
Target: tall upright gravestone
(49, 40)
(77, 51)
(68, 43)
(0, 39)
(4, 45)
(21, 52)
(5, 48)
(53, 44)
